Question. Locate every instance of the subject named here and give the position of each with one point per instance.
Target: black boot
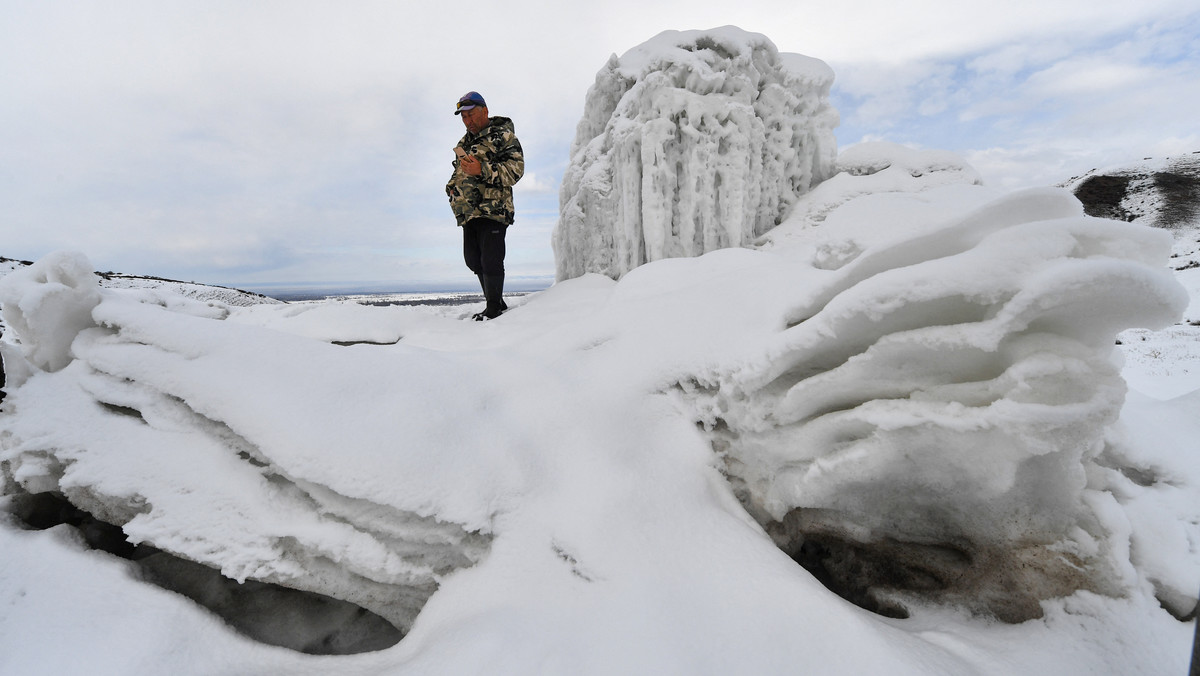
(493, 292)
(483, 284)
(498, 281)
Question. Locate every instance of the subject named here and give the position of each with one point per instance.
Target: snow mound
(981, 352)
(875, 168)
(865, 159)
(917, 401)
(62, 281)
(691, 142)
(218, 298)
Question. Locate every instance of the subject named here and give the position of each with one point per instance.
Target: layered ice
(691, 142)
(980, 351)
(160, 426)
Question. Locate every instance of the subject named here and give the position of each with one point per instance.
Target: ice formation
(691, 142)
(981, 351)
(204, 476)
(920, 413)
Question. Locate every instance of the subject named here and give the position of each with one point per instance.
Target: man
(488, 162)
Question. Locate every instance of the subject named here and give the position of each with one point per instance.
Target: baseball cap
(469, 101)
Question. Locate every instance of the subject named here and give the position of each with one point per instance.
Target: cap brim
(464, 108)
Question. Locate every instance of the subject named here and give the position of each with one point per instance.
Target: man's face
(475, 119)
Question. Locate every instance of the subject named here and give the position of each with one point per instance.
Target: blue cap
(469, 101)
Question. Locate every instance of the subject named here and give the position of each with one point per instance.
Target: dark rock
(1181, 192)
(1102, 196)
(884, 574)
(1164, 194)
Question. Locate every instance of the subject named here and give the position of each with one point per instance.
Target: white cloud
(532, 182)
(1032, 111)
(1088, 76)
(218, 136)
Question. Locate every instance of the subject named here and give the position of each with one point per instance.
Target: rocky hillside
(1163, 193)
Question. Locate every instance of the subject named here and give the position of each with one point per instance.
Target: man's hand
(469, 165)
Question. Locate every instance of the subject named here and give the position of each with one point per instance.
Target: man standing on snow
(488, 162)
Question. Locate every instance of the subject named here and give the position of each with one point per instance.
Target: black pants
(483, 246)
(1, 371)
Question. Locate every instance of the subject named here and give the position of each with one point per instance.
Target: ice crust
(691, 142)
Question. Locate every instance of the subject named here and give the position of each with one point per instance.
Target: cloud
(223, 139)
(1088, 76)
(1031, 112)
(532, 183)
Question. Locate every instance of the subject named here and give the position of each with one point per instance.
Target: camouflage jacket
(488, 195)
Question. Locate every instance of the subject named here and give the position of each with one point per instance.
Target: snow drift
(691, 142)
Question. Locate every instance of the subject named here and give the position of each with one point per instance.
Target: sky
(276, 144)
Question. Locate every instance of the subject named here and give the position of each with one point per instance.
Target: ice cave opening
(300, 620)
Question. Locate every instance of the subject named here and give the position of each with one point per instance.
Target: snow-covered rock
(691, 142)
(1161, 193)
(171, 289)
